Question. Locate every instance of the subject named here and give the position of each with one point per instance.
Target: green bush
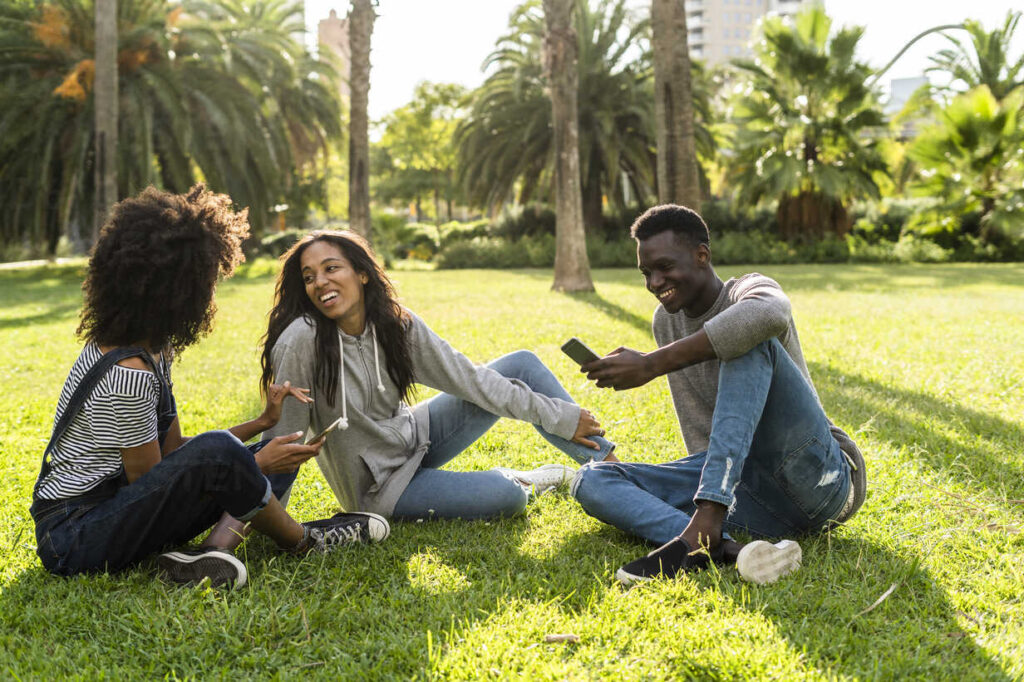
(524, 221)
(531, 252)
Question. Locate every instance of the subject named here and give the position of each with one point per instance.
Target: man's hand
(587, 426)
(282, 454)
(621, 369)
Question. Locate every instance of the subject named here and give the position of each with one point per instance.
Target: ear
(364, 278)
(702, 254)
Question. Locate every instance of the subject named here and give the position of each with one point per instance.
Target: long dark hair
(382, 311)
(155, 266)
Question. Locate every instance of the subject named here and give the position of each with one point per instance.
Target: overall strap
(84, 389)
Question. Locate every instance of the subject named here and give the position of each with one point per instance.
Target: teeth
(328, 297)
(666, 294)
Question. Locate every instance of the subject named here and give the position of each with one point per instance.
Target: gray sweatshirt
(750, 309)
(369, 464)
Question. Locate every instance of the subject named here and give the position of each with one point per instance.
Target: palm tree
(985, 60)
(221, 92)
(105, 150)
(360, 29)
(801, 118)
(678, 178)
(505, 143)
(970, 160)
(572, 267)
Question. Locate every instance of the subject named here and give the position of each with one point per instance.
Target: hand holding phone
(578, 351)
(340, 422)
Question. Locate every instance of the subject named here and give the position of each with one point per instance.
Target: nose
(319, 279)
(654, 281)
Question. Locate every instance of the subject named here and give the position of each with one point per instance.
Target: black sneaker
(191, 566)
(346, 528)
(674, 557)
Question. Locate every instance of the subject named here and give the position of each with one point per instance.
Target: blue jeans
(118, 524)
(770, 459)
(455, 424)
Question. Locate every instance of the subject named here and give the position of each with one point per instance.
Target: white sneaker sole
(762, 562)
(628, 579)
(222, 568)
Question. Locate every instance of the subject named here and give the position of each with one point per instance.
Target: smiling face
(334, 287)
(678, 274)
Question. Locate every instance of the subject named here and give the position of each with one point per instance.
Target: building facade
(721, 30)
(332, 34)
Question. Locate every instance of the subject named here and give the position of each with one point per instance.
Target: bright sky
(447, 40)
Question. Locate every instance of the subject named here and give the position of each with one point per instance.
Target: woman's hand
(276, 393)
(283, 455)
(587, 426)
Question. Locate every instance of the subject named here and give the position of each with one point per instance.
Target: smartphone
(323, 434)
(578, 351)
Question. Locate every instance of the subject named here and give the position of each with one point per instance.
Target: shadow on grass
(367, 610)
(825, 611)
(612, 310)
(961, 442)
(51, 314)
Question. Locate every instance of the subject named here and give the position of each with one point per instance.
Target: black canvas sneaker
(674, 557)
(346, 528)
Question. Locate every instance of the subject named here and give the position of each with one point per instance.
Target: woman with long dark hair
(119, 481)
(337, 327)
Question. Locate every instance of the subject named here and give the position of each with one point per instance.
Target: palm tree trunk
(572, 268)
(360, 29)
(105, 105)
(678, 179)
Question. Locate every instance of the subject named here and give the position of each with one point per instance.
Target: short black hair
(685, 222)
(153, 271)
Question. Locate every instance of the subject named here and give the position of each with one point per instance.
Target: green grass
(924, 365)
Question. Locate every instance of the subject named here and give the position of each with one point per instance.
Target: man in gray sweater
(764, 457)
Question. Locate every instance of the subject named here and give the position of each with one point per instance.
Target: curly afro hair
(154, 269)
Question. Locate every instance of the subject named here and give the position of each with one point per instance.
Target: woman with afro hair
(119, 481)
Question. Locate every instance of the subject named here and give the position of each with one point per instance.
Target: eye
(306, 279)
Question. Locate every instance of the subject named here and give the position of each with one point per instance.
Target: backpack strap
(82, 392)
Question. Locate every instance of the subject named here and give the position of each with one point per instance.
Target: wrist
(264, 422)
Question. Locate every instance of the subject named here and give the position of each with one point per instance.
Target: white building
(721, 30)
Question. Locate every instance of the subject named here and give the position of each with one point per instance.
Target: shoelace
(342, 535)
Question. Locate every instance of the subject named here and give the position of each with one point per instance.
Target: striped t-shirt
(120, 413)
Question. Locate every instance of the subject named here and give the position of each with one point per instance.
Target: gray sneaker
(346, 528)
(543, 478)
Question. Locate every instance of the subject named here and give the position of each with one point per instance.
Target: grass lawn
(923, 365)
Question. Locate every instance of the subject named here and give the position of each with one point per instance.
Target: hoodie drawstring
(343, 422)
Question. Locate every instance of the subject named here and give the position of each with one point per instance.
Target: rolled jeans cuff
(724, 500)
(258, 508)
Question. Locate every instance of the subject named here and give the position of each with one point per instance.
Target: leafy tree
(416, 153)
(801, 116)
(971, 160)
(219, 92)
(505, 144)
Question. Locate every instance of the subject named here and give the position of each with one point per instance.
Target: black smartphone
(578, 351)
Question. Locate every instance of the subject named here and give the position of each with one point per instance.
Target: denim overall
(115, 524)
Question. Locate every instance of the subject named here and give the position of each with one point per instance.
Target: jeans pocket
(811, 475)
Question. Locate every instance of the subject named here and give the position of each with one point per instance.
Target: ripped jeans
(771, 459)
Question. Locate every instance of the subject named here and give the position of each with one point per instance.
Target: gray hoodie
(369, 463)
